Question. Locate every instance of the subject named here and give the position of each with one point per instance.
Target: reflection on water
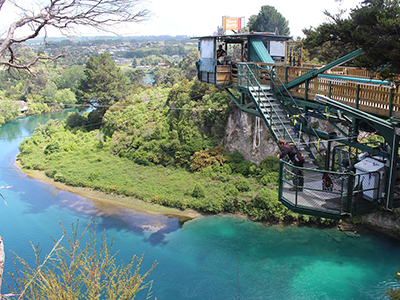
(152, 227)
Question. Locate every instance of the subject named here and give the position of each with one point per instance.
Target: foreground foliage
(80, 270)
(394, 293)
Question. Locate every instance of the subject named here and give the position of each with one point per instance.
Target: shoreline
(111, 199)
(155, 209)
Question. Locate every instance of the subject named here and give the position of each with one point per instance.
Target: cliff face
(248, 135)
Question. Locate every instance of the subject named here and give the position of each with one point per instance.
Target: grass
(171, 187)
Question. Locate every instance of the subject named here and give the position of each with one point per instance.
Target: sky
(202, 17)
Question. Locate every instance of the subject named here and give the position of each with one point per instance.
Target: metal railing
(326, 193)
(313, 146)
(248, 74)
(379, 99)
(248, 77)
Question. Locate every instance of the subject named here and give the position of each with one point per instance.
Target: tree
(135, 76)
(269, 20)
(134, 63)
(49, 92)
(104, 83)
(65, 16)
(331, 40)
(65, 96)
(70, 78)
(188, 65)
(373, 26)
(377, 30)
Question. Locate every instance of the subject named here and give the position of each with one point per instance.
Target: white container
(376, 170)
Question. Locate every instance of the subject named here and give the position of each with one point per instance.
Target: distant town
(131, 51)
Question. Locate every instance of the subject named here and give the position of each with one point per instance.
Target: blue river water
(211, 257)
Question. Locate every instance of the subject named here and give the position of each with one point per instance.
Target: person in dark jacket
(297, 158)
(220, 51)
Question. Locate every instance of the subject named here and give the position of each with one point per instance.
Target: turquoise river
(211, 257)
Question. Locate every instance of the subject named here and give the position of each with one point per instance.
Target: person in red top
(297, 158)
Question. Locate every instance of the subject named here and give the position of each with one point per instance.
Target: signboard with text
(229, 23)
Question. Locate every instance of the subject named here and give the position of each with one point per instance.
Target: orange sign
(231, 23)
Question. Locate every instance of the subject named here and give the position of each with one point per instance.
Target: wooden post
(2, 260)
(358, 97)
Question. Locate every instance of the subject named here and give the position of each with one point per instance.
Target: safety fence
(328, 193)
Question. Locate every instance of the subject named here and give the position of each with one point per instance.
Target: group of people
(221, 53)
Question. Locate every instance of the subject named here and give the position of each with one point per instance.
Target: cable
(236, 208)
(329, 140)
(70, 105)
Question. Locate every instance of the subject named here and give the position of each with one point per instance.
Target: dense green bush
(270, 164)
(198, 191)
(272, 177)
(243, 185)
(76, 119)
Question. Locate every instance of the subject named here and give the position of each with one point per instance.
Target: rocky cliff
(248, 135)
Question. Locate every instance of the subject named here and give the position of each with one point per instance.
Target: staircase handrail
(260, 90)
(300, 112)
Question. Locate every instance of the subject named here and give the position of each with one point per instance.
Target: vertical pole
(391, 99)
(391, 178)
(358, 96)
(286, 74)
(350, 188)
(280, 179)
(306, 90)
(328, 152)
(271, 80)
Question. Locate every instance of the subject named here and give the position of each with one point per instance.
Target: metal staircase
(289, 119)
(281, 122)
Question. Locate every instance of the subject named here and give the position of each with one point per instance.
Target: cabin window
(277, 50)
(207, 58)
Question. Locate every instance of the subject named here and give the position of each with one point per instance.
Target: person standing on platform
(219, 51)
(297, 158)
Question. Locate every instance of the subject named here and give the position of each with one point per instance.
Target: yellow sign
(231, 23)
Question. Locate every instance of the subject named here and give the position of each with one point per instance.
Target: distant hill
(143, 38)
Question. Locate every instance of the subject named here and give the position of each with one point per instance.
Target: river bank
(112, 199)
(353, 226)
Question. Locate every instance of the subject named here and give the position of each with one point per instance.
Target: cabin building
(255, 47)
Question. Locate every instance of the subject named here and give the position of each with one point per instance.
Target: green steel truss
(327, 151)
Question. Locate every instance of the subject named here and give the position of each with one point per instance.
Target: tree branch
(67, 16)
(28, 65)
